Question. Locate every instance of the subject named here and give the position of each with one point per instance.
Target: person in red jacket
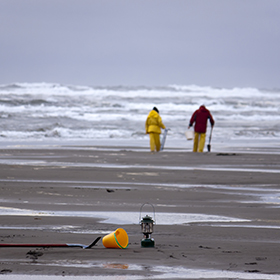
(200, 118)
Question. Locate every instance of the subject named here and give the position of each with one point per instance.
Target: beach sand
(52, 195)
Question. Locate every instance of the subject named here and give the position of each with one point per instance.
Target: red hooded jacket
(200, 118)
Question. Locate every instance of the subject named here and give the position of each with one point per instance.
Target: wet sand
(64, 186)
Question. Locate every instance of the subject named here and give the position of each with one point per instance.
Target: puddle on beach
(42, 163)
(127, 185)
(248, 226)
(122, 218)
(264, 193)
(272, 198)
(154, 272)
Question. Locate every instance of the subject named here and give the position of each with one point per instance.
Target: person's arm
(147, 126)
(192, 120)
(211, 120)
(161, 125)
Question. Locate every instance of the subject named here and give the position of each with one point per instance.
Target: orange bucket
(116, 239)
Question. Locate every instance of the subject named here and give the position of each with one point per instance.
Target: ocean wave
(40, 110)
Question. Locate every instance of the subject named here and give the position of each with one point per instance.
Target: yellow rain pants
(199, 142)
(154, 141)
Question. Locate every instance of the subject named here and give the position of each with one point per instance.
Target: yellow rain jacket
(154, 123)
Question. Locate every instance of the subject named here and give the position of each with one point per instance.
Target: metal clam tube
(35, 245)
(52, 245)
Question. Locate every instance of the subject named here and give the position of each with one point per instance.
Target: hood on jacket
(153, 114)
(156, 109)
(202, 108)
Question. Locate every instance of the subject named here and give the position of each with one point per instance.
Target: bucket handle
(147, 203)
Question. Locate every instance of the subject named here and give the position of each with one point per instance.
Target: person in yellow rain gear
(153, 128)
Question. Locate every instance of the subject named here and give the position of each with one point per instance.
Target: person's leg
(157, 141)
(152, 141)
(201, 142)
(195, 141)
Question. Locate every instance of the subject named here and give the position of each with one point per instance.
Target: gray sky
(227, 43)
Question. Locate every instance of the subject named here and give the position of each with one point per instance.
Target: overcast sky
(223, 43)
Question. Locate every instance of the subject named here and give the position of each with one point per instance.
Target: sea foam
(42, 110)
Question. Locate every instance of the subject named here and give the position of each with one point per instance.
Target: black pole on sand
(209, 145)
(54, 245)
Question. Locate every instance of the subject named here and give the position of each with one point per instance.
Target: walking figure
(200, 118)
(153, 128)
